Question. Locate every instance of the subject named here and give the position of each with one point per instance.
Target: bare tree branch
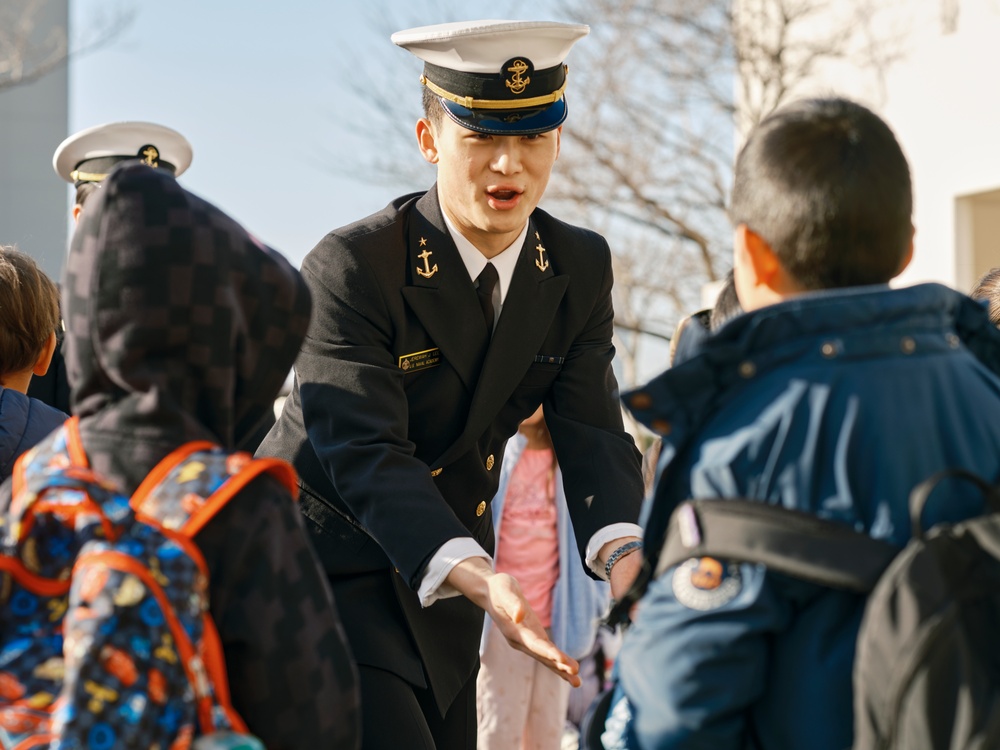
(28, 52)
(659, 95)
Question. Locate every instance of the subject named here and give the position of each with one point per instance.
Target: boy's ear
(45, 357)
(762, 262)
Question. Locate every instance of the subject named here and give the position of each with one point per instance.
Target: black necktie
(487, 281)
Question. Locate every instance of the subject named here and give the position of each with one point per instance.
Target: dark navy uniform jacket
(402, 406)
(835, 403)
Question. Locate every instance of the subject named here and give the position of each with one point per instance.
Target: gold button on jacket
(481, 508)
(489, 462)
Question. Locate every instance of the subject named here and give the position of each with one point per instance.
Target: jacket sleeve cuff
(451, 553)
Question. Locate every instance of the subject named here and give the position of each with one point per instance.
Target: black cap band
(95, 170)
(515, 85)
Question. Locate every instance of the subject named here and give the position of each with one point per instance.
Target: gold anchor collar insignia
(426, 271)
(540, 262)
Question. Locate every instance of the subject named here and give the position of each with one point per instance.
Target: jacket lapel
(441, 294)
(531, 303)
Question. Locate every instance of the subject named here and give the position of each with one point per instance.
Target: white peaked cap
(87, 156)
(499, 77)
(483, 46)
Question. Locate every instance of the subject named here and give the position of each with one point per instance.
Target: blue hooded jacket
(24, 422)
(837, 403)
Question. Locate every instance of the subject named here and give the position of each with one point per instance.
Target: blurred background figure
(686, 341)
(84, 160)
(520, 703)
(987, 289)
(29, 316)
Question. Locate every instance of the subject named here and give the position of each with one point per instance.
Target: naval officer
(440, 323)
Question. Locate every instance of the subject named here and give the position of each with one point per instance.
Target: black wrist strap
(799, 544)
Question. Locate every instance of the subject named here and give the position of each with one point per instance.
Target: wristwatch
(626, 549)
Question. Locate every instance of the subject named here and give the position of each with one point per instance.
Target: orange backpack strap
(35, 583)
(215, 664)
(277, 468)
(194, 482)
(162, 469)
(74, 445)
(68, 452)
(58, 464)
(183, 493)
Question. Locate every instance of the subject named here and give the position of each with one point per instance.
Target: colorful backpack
(106, 640)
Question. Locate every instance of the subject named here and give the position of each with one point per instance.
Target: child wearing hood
(180, 326)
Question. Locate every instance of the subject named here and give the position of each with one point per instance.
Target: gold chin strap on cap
(78, 176)
(469, 103)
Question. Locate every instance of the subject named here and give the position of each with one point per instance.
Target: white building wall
(34, 119)
(943, 103)
(941, 96)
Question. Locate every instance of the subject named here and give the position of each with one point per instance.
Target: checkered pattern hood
(178, 322)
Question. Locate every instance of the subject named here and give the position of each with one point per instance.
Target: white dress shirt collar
(475, 261)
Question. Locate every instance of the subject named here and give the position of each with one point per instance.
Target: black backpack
(927, 666)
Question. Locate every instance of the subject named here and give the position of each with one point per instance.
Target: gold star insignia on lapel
(423, 241)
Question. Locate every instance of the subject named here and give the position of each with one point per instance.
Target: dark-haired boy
(833, 395)
(29, 316)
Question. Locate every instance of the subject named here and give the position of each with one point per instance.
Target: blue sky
(262, 91)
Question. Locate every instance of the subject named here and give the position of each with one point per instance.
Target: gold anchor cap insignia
(540, 261)
(518, 82)
(426, 271)
(150, 155)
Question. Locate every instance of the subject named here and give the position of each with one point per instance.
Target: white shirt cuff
(449, 554)
(602, 537)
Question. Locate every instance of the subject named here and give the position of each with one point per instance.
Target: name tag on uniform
(420, 360)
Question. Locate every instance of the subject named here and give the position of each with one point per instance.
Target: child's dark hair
(29, 310)
(825, 183)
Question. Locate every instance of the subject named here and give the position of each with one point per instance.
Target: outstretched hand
(501, 596)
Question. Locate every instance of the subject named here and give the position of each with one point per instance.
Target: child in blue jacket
(29, 317)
